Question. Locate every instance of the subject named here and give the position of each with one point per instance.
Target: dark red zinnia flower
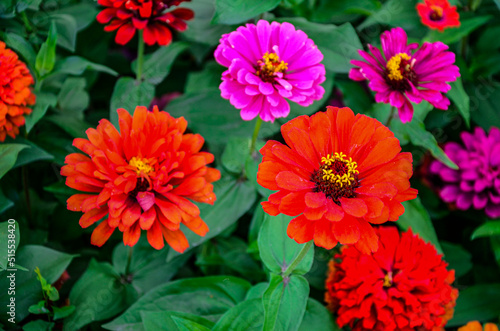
(403, 286)
(152, 16)
(438, 14)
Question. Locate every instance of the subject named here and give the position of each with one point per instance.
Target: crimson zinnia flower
(476, 182)
(338, 174)
(438, 14)
(403, 286)
(476, 326)
(141, 178)
(15, 92)
(400, 76)
(152, 16)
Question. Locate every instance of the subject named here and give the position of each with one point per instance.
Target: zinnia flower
(338, 174)
(476, 326)
(152, 16)
(477, 181)
(141, 178)
(268, 63)
(438, 14)
(404, 286)
(400, 76)
(15, 92)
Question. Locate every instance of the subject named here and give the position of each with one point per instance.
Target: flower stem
(256, 130)
(129, 260)
(391, 115)
(140, 57)
(298, 259)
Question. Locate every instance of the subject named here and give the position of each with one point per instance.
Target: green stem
(129, 260)
(256, 130)
(391, 116)
(298, 259)
(26, 21)
(140, 56)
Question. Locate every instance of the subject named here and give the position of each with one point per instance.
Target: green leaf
(234, 198)
(46, 57)
(83, 13)
(73, 99)
(236, 152)
(420, 137)
(208, 78)
(238, 11)
(51, 263)
(76, 65)
(44, 100)
(39, 308)
(66, 28)
(49, 290)
(417, 218)
(21, 46)
(98, 295)
(453, 35)
(457, 257)
(129, 94)
(495, 246)
(460, 98)
(285, 302)
(485, 109)
(174, 321)
(488, 229)
(476, 303)
(74, 126)
(317, 317)
(8, 156)
(158, 64)
(5, 203)
(393, 13)
(207, 297)
(63, 312)
(31, 154)
(277, 250)
(39, 325)
(247, 315)
(9, 240)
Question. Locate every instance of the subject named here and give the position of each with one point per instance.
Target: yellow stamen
(388, 279)
(346, 178)
(438, 11)
(272, 64)
(142, 166)
(394, 66)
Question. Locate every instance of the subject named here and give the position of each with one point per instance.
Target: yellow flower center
(437, 13)
(270, 65)
(141, 166)
(394, 66)
(340, 170)
(388, 279)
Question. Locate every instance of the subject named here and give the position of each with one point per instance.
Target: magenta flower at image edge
(399, 77)
(267, 64)
(477, 181)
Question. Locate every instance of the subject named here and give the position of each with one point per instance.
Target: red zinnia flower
(438, 14)
(338, 173)
(476, 326)
(15, 92)
(403, 286)
(151, 15)
(141, 178)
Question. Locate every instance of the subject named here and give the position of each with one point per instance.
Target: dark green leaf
(129, 94)
(4, 202)
(236, 152)
(157, 65)
(277, 250)
(207, 297)
(66, 28)
(21, 46)
(417, 218)
(488, 229)
(174, 321)
(476, 303)
(317, 317)
(9, 240)
(460, 98)
(248, 316)
(76, 65)
(238, 11)
(98, 295)
(485, 109)
(83, 13)
(495, 246)
(8, 156)
(73, 99)
(31, 154)
(63, 312)
(457, 257)
(46, 57)
(285, 302)
(43, 102)
(39, 325)
(450, 36)
(208, 78)
(393, 13)
(74, 126)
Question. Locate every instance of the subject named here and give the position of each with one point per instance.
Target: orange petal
(303, 145)
(147, 218)
(300, 122)
(131, 214)
(155, 237)
(139, 118)
(323, 235)
(471, 326)
(270, 208)
(266, 175)
(93, 216)
(354, 206)
(176, 239)
(320, 133)
(300, 229)
(101, 234)
(346, 230)
(131, 235)
(315, 199)
(368, 240)
(383, 152)
(334, 213)
(75, 201)
(290, 181)
(197, 225)
(292, 204)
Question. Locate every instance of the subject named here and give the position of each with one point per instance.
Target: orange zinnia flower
(141, 178)
(476, 326)
(15, 92)
(338, 174)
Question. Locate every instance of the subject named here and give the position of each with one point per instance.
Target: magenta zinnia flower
(477, 181)
(268, 63)
(398, 76)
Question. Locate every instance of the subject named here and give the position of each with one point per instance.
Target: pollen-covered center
(436, 14)
(388, 279)
(270, 67)
(337, 177)
(141, 165)
(399, 72)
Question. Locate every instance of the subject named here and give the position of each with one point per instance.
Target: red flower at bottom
(403, 286)
(438, 14)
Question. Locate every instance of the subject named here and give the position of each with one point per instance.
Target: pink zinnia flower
(268, 63)
(477, 181)
(400, 76)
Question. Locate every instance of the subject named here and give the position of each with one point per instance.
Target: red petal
(315, 200)
(300, 229)
(334, 212)
(155, 237)
(346, 230)
(131, 214)
(197, 225)
(125, 34)
(368, 241)
(75, 201)
(101, 234)
(320, 133)
(131, 235)
(354, 206)
(176, 239)
(147, 219)
(92, 216)
(292, 204)
(290, 181)
(106, 15)
(323, 235)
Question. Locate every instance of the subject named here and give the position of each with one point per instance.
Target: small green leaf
(44, 100)
(63, 312)
(476, 303)
(76, 65)
(249, 313)
(39, 325)
(49, 290)
(39, 308)
(8, 156)
(277, 250)
(238, 11)
(461, 99)
(46, 57)
(317, 317)
(488, 229)
(129, 94)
